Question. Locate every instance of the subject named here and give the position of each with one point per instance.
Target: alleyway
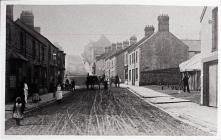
(113, 112)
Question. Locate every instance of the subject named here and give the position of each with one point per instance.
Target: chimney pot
(163, 23)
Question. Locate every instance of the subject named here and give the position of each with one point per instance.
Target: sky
(74, 26)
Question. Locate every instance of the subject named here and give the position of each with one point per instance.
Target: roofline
(203, 13)
(194, 51)
(190, 39)
(37, 33)
(144, 41)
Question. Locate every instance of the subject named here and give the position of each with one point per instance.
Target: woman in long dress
(18, 110)
(59, 95)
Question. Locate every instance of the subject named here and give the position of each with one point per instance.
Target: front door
(213, 85)
(133, 77)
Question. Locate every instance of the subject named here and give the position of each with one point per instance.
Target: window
(133, 57)
(43, 53)
(126, 58)
(130, 59)
(126, 74)
(215, 29)
(49, 53)
(136, 56)
(129, 75)
(39, 52)
(33, 49)
(21, 42)
(136, 73)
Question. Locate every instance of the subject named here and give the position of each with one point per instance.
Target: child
(59, 93)
(18, 110)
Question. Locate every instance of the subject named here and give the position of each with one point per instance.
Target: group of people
(68, 86)
(22, 97)
(115, 80)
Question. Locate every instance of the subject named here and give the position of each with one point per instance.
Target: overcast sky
(74, 26)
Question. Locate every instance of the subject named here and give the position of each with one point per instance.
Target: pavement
(202, 117)
(30, 106)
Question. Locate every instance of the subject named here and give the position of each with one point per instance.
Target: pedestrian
(117, 81)
(36, 98)
(186, 82)
(88, 81)
(26, 92)
(59, 95)
(73, 84)
(18, 110)
(67, 84)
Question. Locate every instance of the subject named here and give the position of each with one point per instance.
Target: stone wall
(169, 76)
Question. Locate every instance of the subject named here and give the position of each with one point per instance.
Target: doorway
(213, 85)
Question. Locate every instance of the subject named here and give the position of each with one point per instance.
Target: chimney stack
(133, 40)
(9, 11)
(38, 29)
(27, 18)
(113, 47)
(149, 30)
(163, 23)
(119, 45)
(125, 44)
(107, 49)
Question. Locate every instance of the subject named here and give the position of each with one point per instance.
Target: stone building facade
(30, 57)
(156, 51)
(209, 52)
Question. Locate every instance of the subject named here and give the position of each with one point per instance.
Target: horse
(93, 80)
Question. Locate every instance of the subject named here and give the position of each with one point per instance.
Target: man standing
(73, 84)
(186, 83)
(117, 81)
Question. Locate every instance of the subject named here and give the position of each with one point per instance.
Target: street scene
(113, 112)
(128, 70)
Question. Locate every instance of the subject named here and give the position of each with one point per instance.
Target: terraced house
(156, 57)
(30, 56)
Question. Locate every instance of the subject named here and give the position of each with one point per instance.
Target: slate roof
(33, 33)
(140, 42)
(194, 45)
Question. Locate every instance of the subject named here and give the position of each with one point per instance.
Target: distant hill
(74, 65)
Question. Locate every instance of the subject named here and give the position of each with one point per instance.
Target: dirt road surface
(116, 111)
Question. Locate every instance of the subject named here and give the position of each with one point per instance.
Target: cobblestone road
(98, 112)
